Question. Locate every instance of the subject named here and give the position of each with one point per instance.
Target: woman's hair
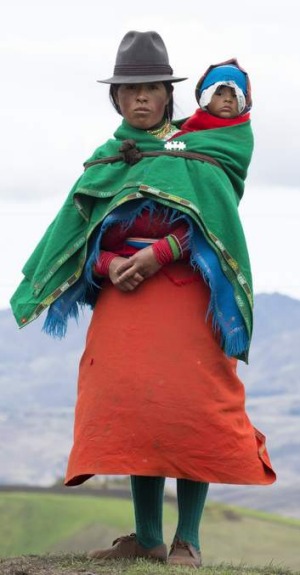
(169, 109)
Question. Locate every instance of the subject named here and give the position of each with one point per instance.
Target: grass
(79, 565)
(38, 529)
(254, 538)
(36, 523)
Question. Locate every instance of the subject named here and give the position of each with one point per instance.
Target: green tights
(148, 494)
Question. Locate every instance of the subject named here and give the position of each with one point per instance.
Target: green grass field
(67, 564)
(41, 523)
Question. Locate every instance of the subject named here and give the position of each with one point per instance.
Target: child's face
(224, 103)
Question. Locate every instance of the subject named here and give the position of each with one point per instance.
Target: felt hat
(228, 72)
(142, 57)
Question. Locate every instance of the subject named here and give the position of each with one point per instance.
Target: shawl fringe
(56, 325)
(227, 320)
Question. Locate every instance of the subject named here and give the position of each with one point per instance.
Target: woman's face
(142, 105)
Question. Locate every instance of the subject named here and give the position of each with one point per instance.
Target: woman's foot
(184, 554)
(127, 547)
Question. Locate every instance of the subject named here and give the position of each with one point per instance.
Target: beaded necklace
(163, 130)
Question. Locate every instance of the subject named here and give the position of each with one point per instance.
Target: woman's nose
(141, 95)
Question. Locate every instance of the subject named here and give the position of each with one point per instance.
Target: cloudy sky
(54, 114)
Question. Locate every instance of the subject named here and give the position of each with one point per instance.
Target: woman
(150, 237)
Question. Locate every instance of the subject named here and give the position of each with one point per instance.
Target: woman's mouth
(143, 110)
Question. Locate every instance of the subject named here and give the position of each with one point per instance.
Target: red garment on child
(202, 120)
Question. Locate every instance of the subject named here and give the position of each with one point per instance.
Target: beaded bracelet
(175, 246)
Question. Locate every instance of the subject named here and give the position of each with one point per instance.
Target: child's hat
(227, 73)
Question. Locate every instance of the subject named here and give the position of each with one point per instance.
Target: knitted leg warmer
(191, 496)
(147, 494)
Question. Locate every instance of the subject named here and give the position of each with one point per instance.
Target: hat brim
(141, 79)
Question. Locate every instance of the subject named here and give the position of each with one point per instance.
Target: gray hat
(142, 57)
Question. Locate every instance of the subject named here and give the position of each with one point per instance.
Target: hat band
(142, 70)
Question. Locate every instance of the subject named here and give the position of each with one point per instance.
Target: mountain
(38, 391)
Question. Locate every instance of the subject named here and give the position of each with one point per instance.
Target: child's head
(224, 90)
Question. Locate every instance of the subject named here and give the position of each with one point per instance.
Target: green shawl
(208, 194)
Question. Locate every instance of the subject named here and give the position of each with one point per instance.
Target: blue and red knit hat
(227, 73)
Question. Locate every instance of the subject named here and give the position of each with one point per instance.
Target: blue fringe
(56, 324)
(65, 307)
(236, 342)
(226, 317)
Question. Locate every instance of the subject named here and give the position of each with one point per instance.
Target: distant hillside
(38, 389)
(87, 521)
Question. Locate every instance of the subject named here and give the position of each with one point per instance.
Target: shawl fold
(206, 195)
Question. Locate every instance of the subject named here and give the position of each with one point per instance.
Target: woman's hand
(128, 283)
(127, 273)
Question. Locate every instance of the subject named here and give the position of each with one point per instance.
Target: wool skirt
(156, 394)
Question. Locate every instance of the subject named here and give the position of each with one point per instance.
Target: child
(224, 96)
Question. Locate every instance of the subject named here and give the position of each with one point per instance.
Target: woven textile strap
(131, 155)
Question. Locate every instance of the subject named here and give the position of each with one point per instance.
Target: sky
(53, 113)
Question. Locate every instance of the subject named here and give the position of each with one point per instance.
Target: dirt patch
(231, 515)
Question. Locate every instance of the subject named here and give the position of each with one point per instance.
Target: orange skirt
(156, 394)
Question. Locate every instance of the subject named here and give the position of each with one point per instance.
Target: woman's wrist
(163, 252)
(101, 267)
(167, 250)
(175, 246)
